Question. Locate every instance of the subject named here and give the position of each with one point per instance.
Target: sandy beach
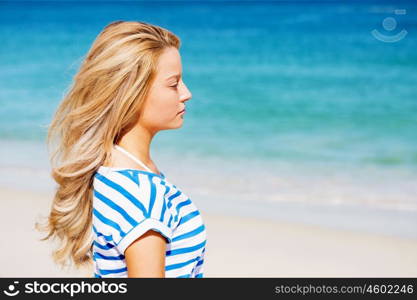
(236, 247)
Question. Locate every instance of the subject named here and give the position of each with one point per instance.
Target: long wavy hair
(104, 102)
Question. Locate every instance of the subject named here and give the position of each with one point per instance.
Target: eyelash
(174, 86)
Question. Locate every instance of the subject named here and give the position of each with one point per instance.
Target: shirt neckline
(136, 170)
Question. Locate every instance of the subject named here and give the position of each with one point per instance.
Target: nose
(185, 94)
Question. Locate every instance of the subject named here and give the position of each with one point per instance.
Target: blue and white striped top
(129, 202)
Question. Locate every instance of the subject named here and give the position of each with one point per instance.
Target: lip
(183, 111)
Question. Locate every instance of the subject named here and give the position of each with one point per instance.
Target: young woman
(113, 208)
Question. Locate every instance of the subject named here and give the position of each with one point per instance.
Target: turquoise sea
(294, 102)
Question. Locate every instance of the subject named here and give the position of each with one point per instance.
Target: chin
(175, 126)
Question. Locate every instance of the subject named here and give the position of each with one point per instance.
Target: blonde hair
(104, 102)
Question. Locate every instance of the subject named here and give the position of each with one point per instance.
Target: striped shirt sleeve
(130, 204)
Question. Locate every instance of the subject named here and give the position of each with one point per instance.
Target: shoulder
(127, 186)
(130, 179)
(127, 203)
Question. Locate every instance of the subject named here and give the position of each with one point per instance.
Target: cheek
(162, 105)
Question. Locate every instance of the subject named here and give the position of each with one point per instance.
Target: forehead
(169, 63)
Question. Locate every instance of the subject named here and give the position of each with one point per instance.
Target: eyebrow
(175, 75)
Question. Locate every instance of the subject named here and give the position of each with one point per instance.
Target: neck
(138, 141)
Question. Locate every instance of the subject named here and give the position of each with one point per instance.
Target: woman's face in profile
(167, 95)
